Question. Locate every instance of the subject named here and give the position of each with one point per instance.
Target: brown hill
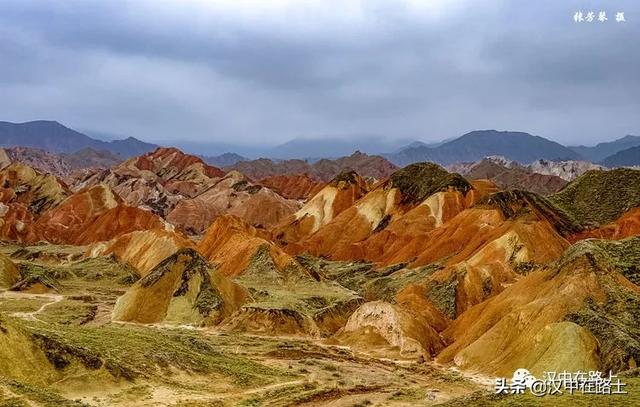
(183, 289)
(157, 180)
(147, 193)
(25, 194)
(287, 299)
(421, 195)
(339, 194)
(484, 249)
(627, 225)
(232, 194)
(231, 243)
(90, 216)
(90, 158)
(512, 176)
(324, 170)
(574, 315)
(40, 160)
(378, 324)
(16, 223)
(171, 164)
(36, 191)
(142, 249)
(299, 186)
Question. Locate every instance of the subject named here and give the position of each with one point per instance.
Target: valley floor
(60, 349)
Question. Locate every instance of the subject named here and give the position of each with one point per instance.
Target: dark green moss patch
(349, 177)
(518, 204)
(599, 197)
(443, 296)
(418, 181)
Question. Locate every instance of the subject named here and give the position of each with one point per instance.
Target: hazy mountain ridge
(624, 158)
(520, 147)
(602, 150)
(475, 145)
(224, 160)
(374, 166)
(57, 138)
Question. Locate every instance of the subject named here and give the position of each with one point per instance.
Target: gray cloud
(193, 70)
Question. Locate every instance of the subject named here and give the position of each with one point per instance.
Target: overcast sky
(264, 72)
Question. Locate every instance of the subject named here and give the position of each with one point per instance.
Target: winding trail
(31, 316)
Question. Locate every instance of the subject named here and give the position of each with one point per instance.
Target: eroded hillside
(165, 281)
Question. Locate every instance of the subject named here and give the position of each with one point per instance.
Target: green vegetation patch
(517, 204)
(69, 312)
(614, 322)
(292, 289)
(443, 296)
(99, 270)
(418, 181)
(623, 255)
(34, 394)
(348, 177)
(600, 197)
(131, 352)
(11, 305)
(386, 284)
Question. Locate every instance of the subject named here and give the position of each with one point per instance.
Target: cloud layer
(257, 72)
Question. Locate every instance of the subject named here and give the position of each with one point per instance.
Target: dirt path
(31, 316)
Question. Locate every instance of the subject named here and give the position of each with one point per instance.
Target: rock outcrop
(183, 289)
(299, 186)
(378, 323)
(93, 215)
(142, 249)
(573, 315)
(338, 195)
(369, 166)
(232, 194)
(421, 196)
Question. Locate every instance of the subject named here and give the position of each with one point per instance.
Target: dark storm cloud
(204, 71)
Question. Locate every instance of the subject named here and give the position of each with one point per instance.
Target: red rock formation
(411, 202)
(338, 195)
(173, 164)
(90, 216)
(38, 192)
(16, 223)
(156, 180)
(40, 160)
(528, 325)
(142, 249)
(510, 175)
(233, 194)
(232, 244)
(370, 166)
(292, 186)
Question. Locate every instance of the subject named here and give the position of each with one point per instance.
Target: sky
(265, 72)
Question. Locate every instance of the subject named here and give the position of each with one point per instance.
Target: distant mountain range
(334, 147)
(473, 146)
(224, 160)
(625, 158)
(373, 166)
(62, 165)
(601, 151)
(517, 146)
(56, 138)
